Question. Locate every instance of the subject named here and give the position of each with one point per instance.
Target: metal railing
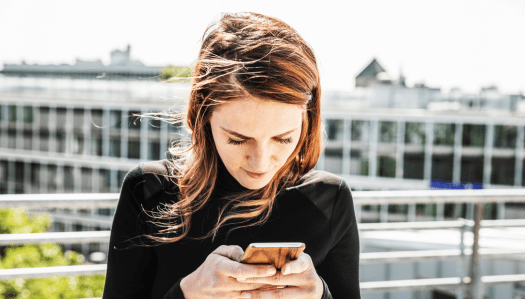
(473, 285)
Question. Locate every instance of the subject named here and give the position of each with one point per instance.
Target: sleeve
(131, 270)
(340, 269)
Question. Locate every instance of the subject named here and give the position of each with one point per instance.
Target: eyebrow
(250, 138)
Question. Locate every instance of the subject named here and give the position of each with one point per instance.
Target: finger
(239, 286)
(299, 265)
(233, 252)
(287, 292)
(243, 271)
(275, 280)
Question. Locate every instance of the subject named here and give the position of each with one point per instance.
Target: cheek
(231, 154)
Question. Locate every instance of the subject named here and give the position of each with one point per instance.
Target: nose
(259, 158)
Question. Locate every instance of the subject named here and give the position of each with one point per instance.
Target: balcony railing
(473, 285)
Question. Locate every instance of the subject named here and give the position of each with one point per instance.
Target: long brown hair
(242, 55)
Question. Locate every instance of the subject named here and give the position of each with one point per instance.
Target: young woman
(181, 225)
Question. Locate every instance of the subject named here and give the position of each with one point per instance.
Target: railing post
(461, 265)
(475, 287)
(411, 212)
(383, 215)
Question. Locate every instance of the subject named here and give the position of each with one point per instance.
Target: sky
(443, 44)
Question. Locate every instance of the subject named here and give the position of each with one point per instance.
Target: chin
(254, 186)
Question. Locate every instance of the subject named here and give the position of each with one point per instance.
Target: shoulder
(319, 183)
(147, 180)
(329, 192)
(333, 196)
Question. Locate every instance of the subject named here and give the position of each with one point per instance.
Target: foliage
(41, 255)
(176, 73)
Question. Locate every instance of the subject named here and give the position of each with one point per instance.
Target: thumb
(233, 252)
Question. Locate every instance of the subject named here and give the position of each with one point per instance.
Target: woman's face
(271, 132)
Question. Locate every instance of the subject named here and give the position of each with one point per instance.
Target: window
(78, 119)
(11, 113)
(472, 169)
(386, 166)
(334, 129)
(154, 124)
(69, 180)
(359, 162)
(60, 141)
(442, 168)
(103, 212)
(86, 178)
(28, 139)
(387, 131)
(44, 116)
(11, 138)
(134, 121)
(35, 176)
(413, 166)
(44, 140)
(505, 136)
(51, 177)
(360, 130)
(19, 177)
(120, 177)
(133, 149)
(503, 171)
(474, 135)
(96, 144)
(96, 119)
(333, 160)
(114, 147)
(78, 143)
(415, 133)
(175, 128)
(28, 114)
(104, 181)
(115, 119)
(3, 177)
(153, 150)
(444, 134)
(78, 227)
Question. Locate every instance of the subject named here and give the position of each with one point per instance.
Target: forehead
(248, 115)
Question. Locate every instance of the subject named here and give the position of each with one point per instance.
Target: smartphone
(274, 253)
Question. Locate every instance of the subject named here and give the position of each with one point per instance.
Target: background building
(74, 132)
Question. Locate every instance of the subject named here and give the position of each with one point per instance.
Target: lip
(255, 175)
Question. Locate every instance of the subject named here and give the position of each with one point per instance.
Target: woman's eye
(283, 141)
(231, 141)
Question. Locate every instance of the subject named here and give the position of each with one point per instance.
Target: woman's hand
(217, 276)
(301, 281)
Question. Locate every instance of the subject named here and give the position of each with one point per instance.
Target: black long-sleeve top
(318, 211)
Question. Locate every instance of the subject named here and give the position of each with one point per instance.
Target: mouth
(254, 174)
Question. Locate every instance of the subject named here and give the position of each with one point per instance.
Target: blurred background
(417, 95)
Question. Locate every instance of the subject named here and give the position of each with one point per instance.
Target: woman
(254, 107)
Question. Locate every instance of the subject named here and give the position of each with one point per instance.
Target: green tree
(14, 221)
(176, 73)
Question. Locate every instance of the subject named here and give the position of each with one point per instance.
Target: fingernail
(246, 295)
(271, 271)
(286, 270)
